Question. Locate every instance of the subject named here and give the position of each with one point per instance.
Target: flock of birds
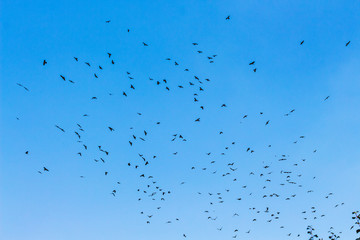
(287, 168)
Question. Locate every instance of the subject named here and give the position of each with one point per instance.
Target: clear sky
(59, 204)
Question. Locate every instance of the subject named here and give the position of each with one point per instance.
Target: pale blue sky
(60, 205)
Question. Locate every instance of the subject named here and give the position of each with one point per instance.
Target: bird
(107, 21)
(252, 63)
(22, 86)
(228, 17)
(301, 43)
(145, 44)
(44, 62)
(61, 129)
(347, 44)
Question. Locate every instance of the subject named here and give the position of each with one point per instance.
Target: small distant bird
(44, 62)
(108, 21)
(326, 98)
(347, 44)
(252, 63)
(228, 17)
(45, 169)
(145, 44)
(111, 129)
(254, 70)
(60, 128)
(267, 123)
(22, 86)
(76, 59)
(301, 43)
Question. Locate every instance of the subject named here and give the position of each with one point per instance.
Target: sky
(60, 204)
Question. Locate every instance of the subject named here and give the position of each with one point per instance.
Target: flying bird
(60, 128)
(22, 86)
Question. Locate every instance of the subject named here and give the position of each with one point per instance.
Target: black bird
(228, 17)
(44, 62)
(347, 44)
(301, 43)
(108, 21)
(111, 129)
(252, 63)
(77, 134)
(60, 128)
(45, 169)
(145, 44)
(76, 59)
(63, 78)
(22, 86)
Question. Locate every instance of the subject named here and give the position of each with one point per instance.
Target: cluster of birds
(285, 171)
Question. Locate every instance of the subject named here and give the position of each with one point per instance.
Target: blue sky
(60, 205)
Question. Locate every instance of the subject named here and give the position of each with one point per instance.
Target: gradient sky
(60, 205)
